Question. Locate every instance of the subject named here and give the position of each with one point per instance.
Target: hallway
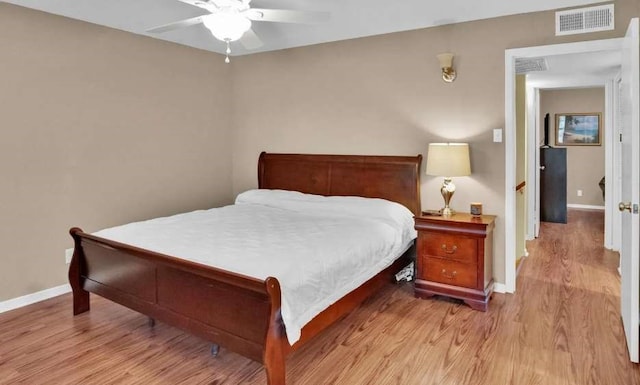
(569, 290)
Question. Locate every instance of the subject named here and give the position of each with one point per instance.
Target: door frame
(616, 194)
(533, 161)
(509, 285)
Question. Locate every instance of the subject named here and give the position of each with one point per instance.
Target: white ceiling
(349, 18)
(578, 69)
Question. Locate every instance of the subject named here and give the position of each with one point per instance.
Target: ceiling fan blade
(177, 24)
(250, 40)
(286, 16)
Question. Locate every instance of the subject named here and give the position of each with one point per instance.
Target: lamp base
(447, 190)
(447, 211)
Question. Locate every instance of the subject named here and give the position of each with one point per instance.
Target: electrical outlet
(579, 193)
(68, 253)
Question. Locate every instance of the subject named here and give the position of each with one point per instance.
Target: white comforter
(319, 248)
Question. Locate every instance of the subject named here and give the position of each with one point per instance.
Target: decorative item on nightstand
(475, 209)
(448, 160)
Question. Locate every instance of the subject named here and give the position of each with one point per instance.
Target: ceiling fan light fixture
(227, 26)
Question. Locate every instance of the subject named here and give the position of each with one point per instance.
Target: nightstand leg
(478, 305)
(422, 294)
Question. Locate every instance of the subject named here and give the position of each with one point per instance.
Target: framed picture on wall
(578, 129)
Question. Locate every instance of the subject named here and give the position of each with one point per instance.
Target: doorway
(575, 150)
(560, 80)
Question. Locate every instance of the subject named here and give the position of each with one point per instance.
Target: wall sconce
(446, 63)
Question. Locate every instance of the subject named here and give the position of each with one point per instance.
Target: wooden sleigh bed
(238, 312)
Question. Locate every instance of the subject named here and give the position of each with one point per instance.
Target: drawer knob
(449, 251)
(451, 275)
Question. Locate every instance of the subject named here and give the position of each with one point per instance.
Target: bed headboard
(395, 178)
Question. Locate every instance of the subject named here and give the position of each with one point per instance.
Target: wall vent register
(533, 64)
(584, 20)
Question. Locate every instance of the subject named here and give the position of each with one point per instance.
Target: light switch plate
(497, 135)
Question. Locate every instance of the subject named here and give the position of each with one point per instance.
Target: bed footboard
(237, 312)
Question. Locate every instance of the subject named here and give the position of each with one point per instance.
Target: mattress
(319, 248)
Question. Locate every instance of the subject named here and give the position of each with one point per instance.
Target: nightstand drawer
(450, 272)
(451, 247)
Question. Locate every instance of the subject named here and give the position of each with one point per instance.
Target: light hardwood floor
(562, 327)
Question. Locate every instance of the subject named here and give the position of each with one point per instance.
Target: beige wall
(100, 127)
(384, 95)
(585, 164)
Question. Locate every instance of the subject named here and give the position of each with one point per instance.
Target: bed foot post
(80, 302)
(274, 364)
(276, 338)
(151, 322)
(215, 349)
(80, 296)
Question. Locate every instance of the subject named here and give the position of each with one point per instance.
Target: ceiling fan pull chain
(226, 60)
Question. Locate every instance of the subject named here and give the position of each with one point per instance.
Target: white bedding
(319, 248)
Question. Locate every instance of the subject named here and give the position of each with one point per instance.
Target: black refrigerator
(553, 184)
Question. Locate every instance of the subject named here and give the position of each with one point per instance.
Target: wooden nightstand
(455, 257)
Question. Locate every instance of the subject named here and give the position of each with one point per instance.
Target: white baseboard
(28, 299)
(587, 207)
(500, 288)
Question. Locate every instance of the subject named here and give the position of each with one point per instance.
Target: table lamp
(448, 160)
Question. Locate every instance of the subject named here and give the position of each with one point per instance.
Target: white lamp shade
(448, 159)
(227, 26)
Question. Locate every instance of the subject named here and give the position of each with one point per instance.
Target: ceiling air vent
(583, 20)
(530, 64)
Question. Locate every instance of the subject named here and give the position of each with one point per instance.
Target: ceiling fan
(230, 20)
